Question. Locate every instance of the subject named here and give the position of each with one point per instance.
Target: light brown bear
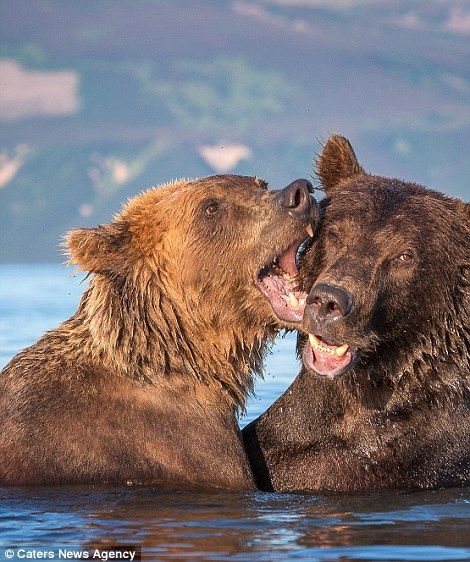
(143, 383)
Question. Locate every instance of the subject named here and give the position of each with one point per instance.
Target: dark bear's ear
(97, 249)
(337, 162)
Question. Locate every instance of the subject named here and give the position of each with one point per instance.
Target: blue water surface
(391, 526)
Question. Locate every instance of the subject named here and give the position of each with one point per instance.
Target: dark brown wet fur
(144, 382)
(400, 418)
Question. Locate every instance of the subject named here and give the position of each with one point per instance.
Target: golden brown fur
(143, 383)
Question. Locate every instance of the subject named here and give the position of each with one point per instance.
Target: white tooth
(313, 340)
(293, 301)
(340, 351)
(309, 230)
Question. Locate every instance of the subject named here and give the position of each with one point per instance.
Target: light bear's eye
(211, 208)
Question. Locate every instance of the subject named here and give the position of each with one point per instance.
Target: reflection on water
(178, 525)
(181, 525)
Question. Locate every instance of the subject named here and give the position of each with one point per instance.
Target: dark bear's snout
(296, 198)
(327, 304)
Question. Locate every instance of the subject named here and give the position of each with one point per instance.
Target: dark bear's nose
(296, 196)
(329, 302)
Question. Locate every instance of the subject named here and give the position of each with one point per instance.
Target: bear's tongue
(327, 359)
(278, 283)
(286, 260)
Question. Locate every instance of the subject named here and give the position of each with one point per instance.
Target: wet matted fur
(143, 383)
(397, 415)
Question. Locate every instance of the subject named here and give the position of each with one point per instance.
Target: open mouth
(327, 359)
(277, 282)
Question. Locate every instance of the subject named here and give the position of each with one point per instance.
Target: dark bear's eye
(211, 208)
(406, 256)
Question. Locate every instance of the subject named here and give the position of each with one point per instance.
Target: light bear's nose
(296, 196)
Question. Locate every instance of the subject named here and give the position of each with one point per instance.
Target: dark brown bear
(143, 383)
(382, 400)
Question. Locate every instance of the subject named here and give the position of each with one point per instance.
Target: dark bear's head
(388, 273)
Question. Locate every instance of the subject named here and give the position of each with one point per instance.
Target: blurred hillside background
(100, 99)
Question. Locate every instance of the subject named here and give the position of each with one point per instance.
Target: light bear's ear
(99, 249)
(337, 162)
